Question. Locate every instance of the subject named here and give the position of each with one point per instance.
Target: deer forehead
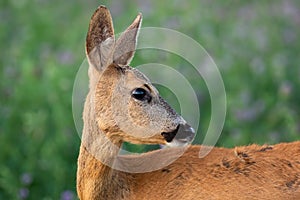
(135, 78)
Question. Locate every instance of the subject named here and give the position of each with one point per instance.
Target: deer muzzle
(183, 134)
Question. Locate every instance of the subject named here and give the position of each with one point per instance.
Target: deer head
(127, 107)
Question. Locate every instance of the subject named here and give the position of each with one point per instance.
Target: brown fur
(250, 172)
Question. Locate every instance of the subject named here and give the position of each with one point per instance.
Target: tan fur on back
(257, 173)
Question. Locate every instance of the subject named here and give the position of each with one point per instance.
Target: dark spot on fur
(225, 163)
(244, 157)
(241, 169)
(166, 170)
(266, 149)
(242, 154)
(217, 165)
(237, 170)
(290, 183)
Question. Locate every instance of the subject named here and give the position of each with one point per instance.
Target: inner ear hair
(100, 28)
(100, 39)
(126, 43)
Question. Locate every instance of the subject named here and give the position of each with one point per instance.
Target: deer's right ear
(100, 39)
(126, 43)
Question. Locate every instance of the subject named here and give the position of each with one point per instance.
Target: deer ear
(100, 39)
(126, 44)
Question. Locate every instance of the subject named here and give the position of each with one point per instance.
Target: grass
(255, 45)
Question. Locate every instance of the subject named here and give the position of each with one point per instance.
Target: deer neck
(95, 178)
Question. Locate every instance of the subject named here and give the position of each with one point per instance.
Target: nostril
(169, 136)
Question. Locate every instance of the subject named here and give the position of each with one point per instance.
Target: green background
(255, 44)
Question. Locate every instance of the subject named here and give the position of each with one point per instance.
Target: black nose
(183, 133)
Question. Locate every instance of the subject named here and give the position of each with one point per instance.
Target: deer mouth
(182, 135)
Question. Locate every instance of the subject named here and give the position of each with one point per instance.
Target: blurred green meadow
(255, 44)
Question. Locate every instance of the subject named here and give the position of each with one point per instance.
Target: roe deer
(122, 105)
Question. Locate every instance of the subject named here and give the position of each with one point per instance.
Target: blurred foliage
(255, 44)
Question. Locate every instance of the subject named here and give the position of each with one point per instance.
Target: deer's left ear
(126, 44)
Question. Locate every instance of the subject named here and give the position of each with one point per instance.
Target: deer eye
(141, 94)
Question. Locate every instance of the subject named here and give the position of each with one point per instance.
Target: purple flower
(23, 193)
(67, 195)
(26, 179)
(65, 57)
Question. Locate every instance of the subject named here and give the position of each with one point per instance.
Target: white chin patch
(176, 143)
